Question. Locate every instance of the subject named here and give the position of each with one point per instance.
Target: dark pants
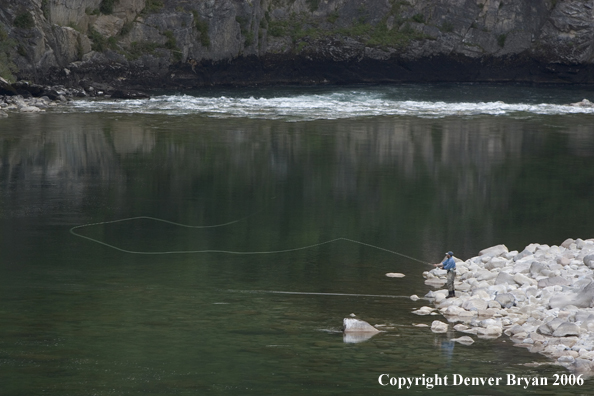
(450, 279)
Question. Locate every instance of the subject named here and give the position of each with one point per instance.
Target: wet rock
(453, 310)
(6, 88)
(29, 109)
(130, 94)
(357, 326)
(439, 327)
(424, 311)
(583, 103)
(489, 332)
(465, 340)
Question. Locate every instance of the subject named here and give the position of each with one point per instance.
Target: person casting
(449, 264)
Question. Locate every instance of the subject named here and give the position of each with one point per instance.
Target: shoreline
(541, 298)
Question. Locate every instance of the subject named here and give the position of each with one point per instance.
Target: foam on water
(313, 106)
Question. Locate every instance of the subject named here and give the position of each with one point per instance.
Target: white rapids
(307, 106)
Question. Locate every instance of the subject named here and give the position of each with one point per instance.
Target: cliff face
(180, 43)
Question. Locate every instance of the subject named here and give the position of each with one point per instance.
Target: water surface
(278, 169)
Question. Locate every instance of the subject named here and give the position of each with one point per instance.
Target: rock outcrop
(544, 300)
(351, 325)
(173, 43)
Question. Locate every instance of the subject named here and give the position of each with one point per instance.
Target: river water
(250, 299)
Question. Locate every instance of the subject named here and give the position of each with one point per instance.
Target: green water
(80, 318)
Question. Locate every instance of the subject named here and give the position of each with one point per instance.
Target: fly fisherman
(449, 265)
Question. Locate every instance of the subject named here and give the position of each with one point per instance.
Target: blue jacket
(449, 263)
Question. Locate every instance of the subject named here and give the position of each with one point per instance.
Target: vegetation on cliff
(158, 37)
(7, 67)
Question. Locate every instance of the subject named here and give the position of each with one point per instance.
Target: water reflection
(355, 338)
(474, 178)
(80, 316)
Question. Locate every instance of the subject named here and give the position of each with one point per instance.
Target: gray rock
(584, 317)
(522, 279)
(6, 88)
(29, 109)
(566, 329)
(357, 326)
(582, 297)
(536, 268)
(567, 243)
(554, 281)
(589, 261)
(439, 327)
(522, 254)
(549, 327)
(564, 261)
(465, 340)
(475, 304)
(583, 366)
(485, 275)
(494, 251)
(507, 300)
(495, 262)
(582, 103)
(504, 277)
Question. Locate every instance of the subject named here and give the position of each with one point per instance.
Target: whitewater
(303, 104)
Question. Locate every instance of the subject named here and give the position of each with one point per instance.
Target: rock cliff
(186, 44)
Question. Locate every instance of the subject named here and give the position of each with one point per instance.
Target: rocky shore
(541, 297)
(25, 97)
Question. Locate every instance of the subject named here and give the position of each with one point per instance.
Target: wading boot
(451, 294)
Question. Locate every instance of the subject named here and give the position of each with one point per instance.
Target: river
(250, 299)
